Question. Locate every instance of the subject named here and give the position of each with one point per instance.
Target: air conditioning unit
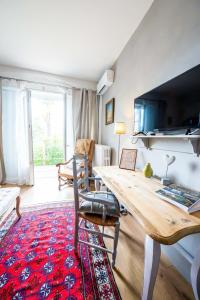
(105, 82)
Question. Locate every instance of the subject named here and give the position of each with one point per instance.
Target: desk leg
(151, 264)
(195, 275)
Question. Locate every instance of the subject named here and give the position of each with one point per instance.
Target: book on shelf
(183, 198)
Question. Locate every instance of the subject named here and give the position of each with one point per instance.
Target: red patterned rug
(37, 259)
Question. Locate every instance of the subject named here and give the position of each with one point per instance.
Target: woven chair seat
(67, 171)
(97, 219)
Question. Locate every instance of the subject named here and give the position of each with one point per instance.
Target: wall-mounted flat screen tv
(172, 106)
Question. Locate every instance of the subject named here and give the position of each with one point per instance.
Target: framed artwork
(109, 111)
(128, 159)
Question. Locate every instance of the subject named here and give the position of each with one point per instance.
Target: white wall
(45, 78)
(165, 45)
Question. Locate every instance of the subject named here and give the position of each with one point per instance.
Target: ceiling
(78, 38)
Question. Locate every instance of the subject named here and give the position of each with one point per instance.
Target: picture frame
(109, 111)
(128, 159)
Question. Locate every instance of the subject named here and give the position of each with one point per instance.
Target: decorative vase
(148, 171)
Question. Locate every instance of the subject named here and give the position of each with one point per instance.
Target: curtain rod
(48, 84)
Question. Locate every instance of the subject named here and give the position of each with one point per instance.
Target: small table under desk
(163, 223)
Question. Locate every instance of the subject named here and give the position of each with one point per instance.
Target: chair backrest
(81, 176)
(85, 146)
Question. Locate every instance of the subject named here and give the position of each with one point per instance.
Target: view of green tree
(50, 152)
(48, 148)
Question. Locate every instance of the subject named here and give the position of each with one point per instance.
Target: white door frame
(30, 139)
(65, 125)
(30, 134)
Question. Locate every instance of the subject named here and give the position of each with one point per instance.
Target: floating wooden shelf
(194, 140)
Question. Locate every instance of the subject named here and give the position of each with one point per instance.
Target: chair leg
(117, 226)
(17, 206)
(59, 183)
(76, 232)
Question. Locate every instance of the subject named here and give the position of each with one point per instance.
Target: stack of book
(184, 198)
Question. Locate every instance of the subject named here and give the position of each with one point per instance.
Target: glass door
(48, 131)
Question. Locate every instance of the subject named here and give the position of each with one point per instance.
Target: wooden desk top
(161, 220)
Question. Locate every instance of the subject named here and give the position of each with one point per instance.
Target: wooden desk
(163, 223)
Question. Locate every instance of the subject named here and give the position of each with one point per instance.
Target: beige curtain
(2, 167)
(85, 114)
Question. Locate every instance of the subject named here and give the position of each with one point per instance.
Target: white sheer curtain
(15, 132)
(69, 126)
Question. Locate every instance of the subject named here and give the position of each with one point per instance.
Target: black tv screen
(171, 106)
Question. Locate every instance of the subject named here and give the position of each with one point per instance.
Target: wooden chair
(101, 208)
(65, 170)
